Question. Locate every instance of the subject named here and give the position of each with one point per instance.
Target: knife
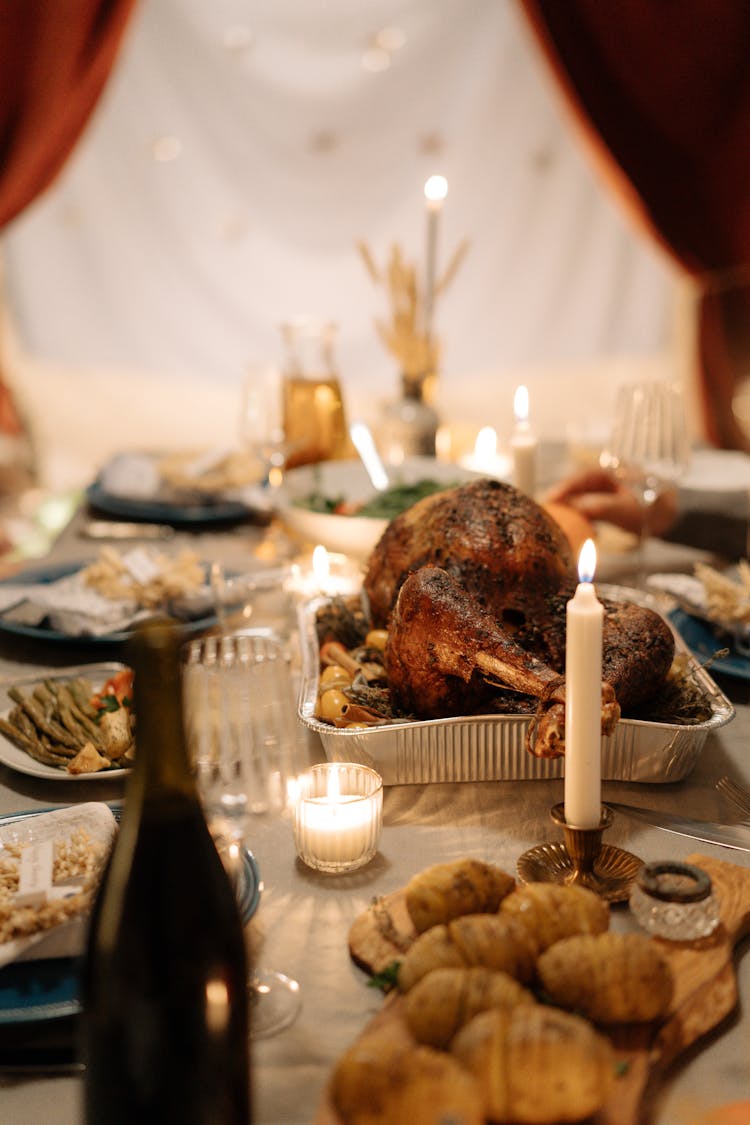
(735, 836)
(118, 529)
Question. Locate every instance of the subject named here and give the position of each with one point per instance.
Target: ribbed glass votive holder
(338, 816)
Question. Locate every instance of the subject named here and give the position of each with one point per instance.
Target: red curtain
(55, 57)
(661, 89)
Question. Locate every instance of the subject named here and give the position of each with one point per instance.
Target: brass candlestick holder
(582, 860)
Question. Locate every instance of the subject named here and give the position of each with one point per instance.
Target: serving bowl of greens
(335, 503)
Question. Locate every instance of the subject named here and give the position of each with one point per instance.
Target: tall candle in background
(523, 445)
(435, 191)
(583, 697)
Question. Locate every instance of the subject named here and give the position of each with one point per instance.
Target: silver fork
(738, 794)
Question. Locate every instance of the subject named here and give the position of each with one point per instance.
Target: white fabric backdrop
(242, 149)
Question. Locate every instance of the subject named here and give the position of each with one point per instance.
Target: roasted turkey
(463, 621)
(502, 546)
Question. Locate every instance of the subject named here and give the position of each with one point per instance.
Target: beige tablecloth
(302, 924)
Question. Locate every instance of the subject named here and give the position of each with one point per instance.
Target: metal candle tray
(492, 747)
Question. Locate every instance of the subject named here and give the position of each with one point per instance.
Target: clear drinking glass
(241, 729)
(649, 445)
(261, 421)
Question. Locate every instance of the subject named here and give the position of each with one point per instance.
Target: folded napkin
(131, 476)
(70, 605)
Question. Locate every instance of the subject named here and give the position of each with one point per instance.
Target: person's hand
(599, 495)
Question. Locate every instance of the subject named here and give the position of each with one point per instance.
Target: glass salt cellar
(675, 901)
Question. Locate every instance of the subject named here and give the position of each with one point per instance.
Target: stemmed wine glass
(241, 729)
(649, 446)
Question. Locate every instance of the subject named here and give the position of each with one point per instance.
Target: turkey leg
(445, 653)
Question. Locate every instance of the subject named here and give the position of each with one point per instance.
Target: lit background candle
(338, 816)
(523, 444)
(583, 697)
(435, 191)
(485, 457)
(324, 572)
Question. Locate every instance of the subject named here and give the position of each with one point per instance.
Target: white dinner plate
(18, 760)
(717, 470)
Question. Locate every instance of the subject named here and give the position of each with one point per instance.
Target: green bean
(72, 717)
(40, 719)
(82, 691)
(32, 746)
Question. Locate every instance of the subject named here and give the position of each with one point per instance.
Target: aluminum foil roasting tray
(492, 747)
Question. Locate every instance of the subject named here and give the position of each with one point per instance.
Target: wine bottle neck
(161, 762)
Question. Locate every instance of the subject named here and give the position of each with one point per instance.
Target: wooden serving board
(705, 989)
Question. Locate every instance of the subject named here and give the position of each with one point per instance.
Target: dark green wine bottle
(165, 1008)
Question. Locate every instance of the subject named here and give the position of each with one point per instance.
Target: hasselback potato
(611, 978)
(494, 941)
(446, 999)
(382, 1081)
(446, 890)
(536, 1065)
(551, 911)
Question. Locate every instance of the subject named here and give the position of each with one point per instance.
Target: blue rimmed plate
(703, 642)
(49, 989)
(175, 513)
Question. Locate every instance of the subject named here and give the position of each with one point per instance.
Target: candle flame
(587, 562)
(334, 786)
(321, 565)
(485, 446)
(521, 404)
(436, 189)
(295, 786)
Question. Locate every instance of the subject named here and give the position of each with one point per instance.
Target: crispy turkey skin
(503, 546)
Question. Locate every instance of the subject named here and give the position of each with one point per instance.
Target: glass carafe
(315, 424)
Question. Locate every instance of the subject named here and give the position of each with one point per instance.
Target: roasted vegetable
(536, 1065)
(65, 724)
(611, 978)
(446, 890)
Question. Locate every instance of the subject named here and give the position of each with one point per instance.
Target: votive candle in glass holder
(338, 816)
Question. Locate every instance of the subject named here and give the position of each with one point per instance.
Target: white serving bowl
(351, 535)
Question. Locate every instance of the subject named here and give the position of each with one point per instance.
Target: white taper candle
(523, 445)
(435, 191)
(583, 697)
